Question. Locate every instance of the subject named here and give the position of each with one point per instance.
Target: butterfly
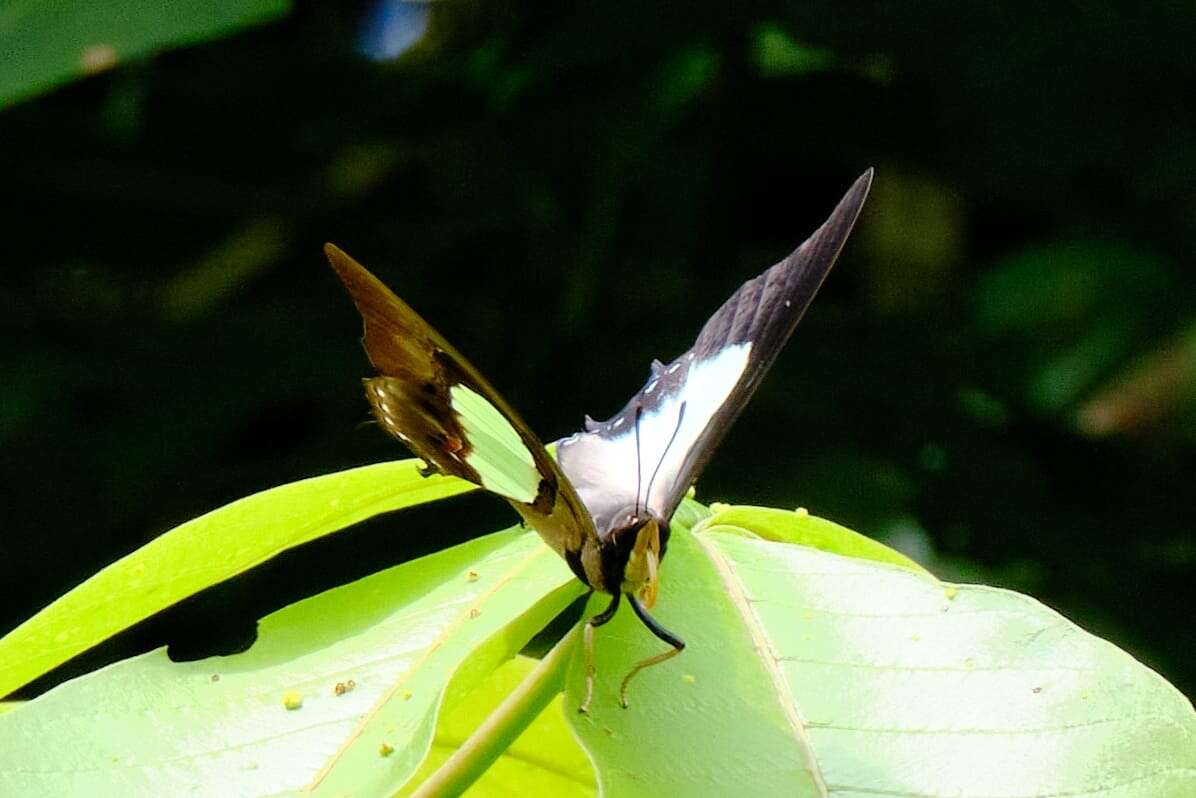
(605, 502)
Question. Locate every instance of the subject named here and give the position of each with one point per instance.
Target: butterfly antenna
(664, 454)
(639, 461)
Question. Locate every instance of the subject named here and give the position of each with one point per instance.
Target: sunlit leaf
(206, 551)
(339, 694)
(809, 673)
(807, 530)
(544, 760)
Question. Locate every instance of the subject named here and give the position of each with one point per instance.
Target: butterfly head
(634, 549)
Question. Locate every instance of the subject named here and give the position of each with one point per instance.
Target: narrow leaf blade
(271, 720)
(205, 551)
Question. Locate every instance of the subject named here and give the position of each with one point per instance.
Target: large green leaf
(50, 42)
(205, 551)
(838, 669)
(222, 726)
(811, 673)
(544, 760)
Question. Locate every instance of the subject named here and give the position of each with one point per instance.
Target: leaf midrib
(762, 645)
(461, 619)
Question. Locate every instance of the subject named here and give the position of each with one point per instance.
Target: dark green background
(999, 377)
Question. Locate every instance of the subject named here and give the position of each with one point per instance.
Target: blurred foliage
(1000, 376)
(49, 42)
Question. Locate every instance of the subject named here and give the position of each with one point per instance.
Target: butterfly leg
(591, 624)
(664, 634)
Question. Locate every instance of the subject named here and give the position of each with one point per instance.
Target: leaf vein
(768, 657)
(462, 618)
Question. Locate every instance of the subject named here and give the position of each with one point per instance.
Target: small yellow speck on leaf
(215, 677)
(292, 699)
(472, 576)
(407, 696)
(97, 58)
(801, 512)
(386, 749)
(951, 591)
(474, 612)
(689, 678)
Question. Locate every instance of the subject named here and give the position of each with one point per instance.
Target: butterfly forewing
(432, 399)
(651, 452)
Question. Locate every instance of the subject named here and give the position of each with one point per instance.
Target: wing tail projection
(766, 309)
(431, 398)
(672, 426)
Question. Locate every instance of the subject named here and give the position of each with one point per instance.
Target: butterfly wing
(431, 398)
(652, 451)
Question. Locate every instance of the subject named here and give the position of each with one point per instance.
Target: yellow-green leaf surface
(814, 674)
(49, 42)
(205, 551)
(807, 530)
(544, 760)
(270, 721)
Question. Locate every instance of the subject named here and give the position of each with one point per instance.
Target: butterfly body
(605, 502)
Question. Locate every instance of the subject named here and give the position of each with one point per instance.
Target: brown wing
(432, 399)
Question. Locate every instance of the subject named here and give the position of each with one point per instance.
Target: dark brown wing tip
(848, 209)
(827, 241)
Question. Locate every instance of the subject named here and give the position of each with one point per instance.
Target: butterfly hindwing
(652, 451)
(430, 397)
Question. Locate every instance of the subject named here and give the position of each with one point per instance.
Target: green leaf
(205, 551)
(776, 53)
(50, 42)
(807, 530)
(807, 673)
(543, 760)
(810, 673)
(269, 720)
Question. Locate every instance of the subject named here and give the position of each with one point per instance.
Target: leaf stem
(503, 726)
